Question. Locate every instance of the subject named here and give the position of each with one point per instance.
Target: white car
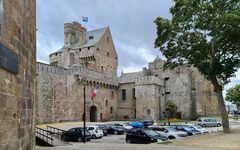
(125, 125)
(198, 127)
(95, 132)
(169, 132)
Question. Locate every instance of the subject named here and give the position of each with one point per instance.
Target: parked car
(199, 128)
(143, 136)
(185, 128)
(103, 128)
(169, 132)
(125, 125)
(95, 132)
(136, 124)
(113, 129)
(209, 122)
(76, 134)
(147, 123)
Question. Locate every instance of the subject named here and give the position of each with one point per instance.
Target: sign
(8, 59)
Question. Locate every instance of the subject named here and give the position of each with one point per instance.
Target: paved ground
(214, 140)
(107, 146)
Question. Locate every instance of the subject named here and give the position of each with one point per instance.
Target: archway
(93, 114)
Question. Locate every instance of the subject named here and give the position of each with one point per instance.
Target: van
(209, 122)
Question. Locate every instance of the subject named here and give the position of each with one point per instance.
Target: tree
(205, 34)
(233, 95)
(171, 106)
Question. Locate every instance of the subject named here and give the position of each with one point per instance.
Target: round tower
(74, 33)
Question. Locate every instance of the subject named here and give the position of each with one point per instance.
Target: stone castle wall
(60, 95)
(17, 91)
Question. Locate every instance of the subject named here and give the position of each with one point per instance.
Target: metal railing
(55, 131)
(44, 135)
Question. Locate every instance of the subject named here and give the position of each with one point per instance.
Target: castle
(89, 59)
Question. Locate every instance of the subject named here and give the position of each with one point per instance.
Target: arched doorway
(93, 114)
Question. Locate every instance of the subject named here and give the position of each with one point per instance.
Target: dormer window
(90, 37)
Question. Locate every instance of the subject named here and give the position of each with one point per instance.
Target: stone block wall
(17, 91)
(60, 95)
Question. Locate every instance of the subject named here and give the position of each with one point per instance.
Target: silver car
(209, 122)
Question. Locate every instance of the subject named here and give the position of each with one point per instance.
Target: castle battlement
(79, 70)
(149, 80)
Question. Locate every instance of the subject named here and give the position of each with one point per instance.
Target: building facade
(89, 58)
(17, 74)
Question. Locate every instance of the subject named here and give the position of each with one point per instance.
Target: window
(133, 94)
(112, 94)
(79, 49)
(111, 110)
(107, 39)
(106, 103)
(168, 92)
(90, 37)
(166, 78)
(123, 94)
(88, 48)
(148, 111)
(102, 68)
(107, 54)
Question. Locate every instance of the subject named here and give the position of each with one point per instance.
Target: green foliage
(171, 106)
(233, 95)
(203, 33)
(165, 142)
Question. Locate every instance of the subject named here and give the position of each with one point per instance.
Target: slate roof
(130, 77)
(96, 34)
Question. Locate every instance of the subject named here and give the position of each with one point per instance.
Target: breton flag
(94, 93)
(84, 19)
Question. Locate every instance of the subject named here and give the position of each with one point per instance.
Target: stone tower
(92, 49)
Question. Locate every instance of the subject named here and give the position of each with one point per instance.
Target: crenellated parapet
(145, 80)
(91, 75)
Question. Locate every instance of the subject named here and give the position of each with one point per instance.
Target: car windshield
(197, 126)
(187, 128)
(170, 129)
(125, 124)
(151, 133)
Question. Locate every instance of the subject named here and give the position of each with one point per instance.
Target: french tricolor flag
(84, 19)
(94, 93)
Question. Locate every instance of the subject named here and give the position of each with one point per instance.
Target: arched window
(111, 110)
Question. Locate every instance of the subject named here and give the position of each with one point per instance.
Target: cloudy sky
(130, 21)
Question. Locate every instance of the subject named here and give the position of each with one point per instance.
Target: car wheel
(128, 141)
(203, 125)
(115, 132)
(171, 137)
(94, 136)
(79, 139)
(218, 125)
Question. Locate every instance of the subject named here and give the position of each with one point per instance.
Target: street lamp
(84, 83)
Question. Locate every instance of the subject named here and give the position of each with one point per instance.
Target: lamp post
(84, 83)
